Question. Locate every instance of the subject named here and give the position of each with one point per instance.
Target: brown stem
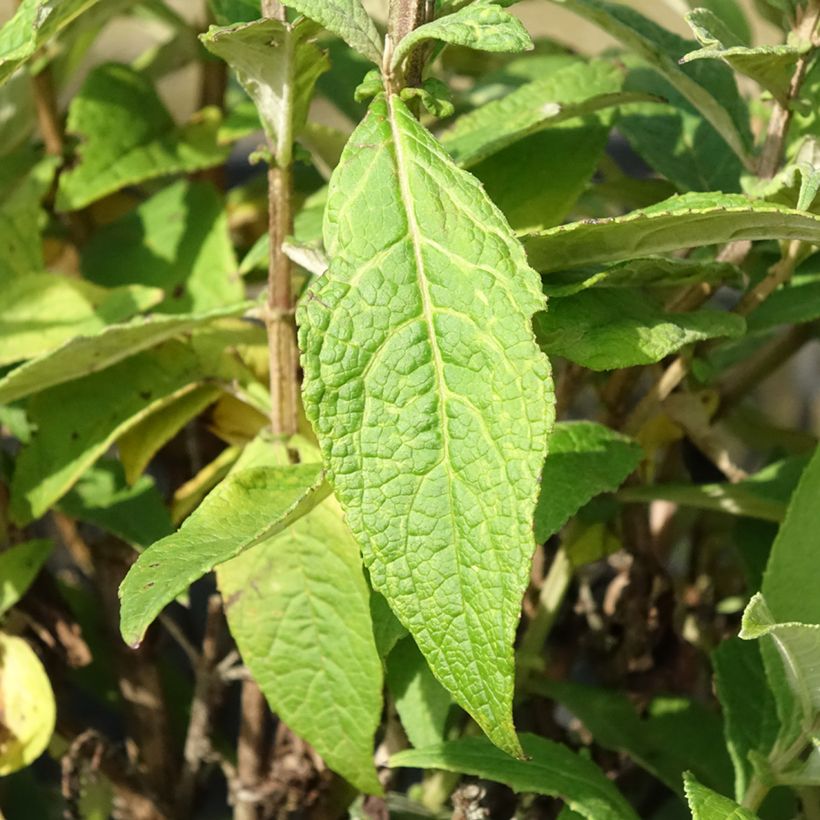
(778, 274)
(48, 115)
(251, 752)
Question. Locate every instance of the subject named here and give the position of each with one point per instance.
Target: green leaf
(483, 25)
(571, 92)
(790, 580)
(349, 20)
(610, 329)
(19, 566)
(298, 607)
(709, 805)
(278, 65)
(227, 12)
(712, 91)
(422, 702)
(84, 355)
(127, 136)
(387, 628)
(45, 310)
(550, 769)
(423, 395)
(585, 459)
(177, 240)
(78, 421)
(731, 14)
(248, 507)
(686, 221)
(34, 23)
(101, 497)
(749, 709)
(771, 67)
(614, 723)
(792, 304)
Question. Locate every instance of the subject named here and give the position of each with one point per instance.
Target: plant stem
(48, 115)
(251, 752)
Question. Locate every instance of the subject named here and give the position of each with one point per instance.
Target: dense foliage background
(296, 638)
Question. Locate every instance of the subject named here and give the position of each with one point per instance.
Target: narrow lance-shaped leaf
(278, 66)
(347, 19)
(431, 400)
(248, 507)
(483, 25)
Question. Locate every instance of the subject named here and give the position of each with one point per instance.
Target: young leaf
(610, 329)
(127, 136)
(424, 334)
(26, 703)
(686, 221)
(84, 355)
(34, 23)
(423, 704)
(19, 566)
(298, 607)
(42, 311)
(706, 804)
(347, 19)
(578, 89)
(278, 65)
(250, 506)
(585, 459)
(177, 240)
(713, 92)
(790, 580)
(484, 26)
(550, 769)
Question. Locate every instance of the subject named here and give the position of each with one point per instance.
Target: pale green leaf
(19, 566)
(45, 310)
(711, 91)
(550, 769)
(127, 136)
(178, 240)
(78, 421)
(249, 506)
(347, 19)
(422, 702)
(686, 221)
(84, 355)
(484, 26)
(571, 92)
(706, 804)
(731, 14)
(424, 385)
(585, 459)
(769, 66)
(278, 65)
(610, 329)
(790, 583)
(298, 607)
(34, 23)
(101, 497)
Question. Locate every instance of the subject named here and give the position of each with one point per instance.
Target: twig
(778, 274)
(48, 115)
(252, 752)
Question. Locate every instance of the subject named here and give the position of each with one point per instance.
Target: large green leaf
(610, 329)
(78, 421)
(84, 355)
(585, 459)
(177, 240)
(796, 302)
(614, 723)
(298, 607)
(706, 804)
(550, 768)
(708, 86)
(790, 580)
(43, 311)
(482, 25)
(127, 136)
(686, 221)
(19, 566)
(278, 65)
(34, 23)
(349, 20)
(424, 385)
(571, 92)
(246, 508)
